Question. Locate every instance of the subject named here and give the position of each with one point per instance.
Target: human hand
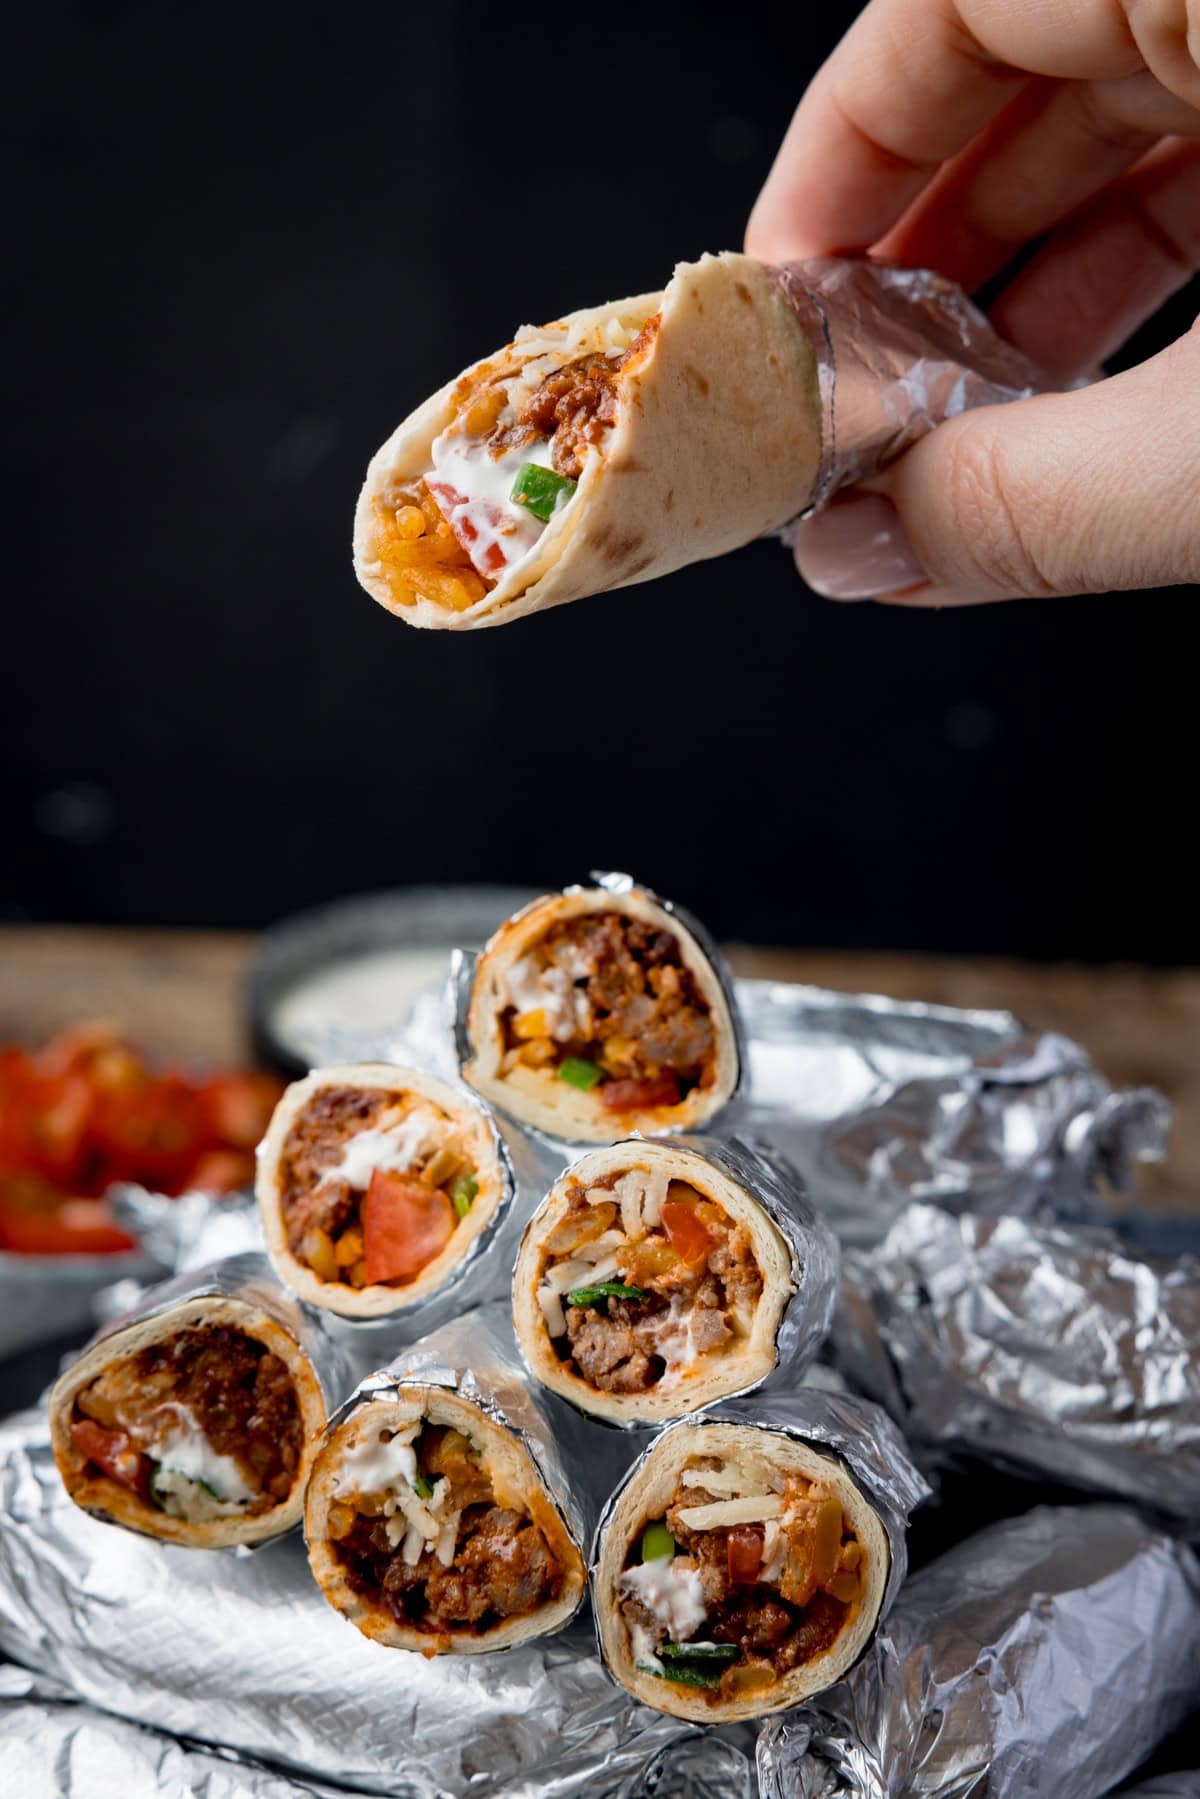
(949, 134)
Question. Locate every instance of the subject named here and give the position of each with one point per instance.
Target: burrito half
(649, 1283)
(596, 1012)
(609, 447)
(430, 1528)
(739, 1572)
(374, 1183)
(197, 1425)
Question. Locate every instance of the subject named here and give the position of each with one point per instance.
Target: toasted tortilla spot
(743, 292)
(669, 502)
(622, 548)
(697, 380)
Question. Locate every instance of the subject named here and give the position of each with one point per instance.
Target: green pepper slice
(701, 1655)
(463, 1193)
(587, 1296)
(541, 491)
(579, 1073)
(422, 1487)
(683, 1677)
(657, 1542)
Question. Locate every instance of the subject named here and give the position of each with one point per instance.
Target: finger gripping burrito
(606, 448)
(197, 1425)
(374, 1183)
(596, 1012)
(650, 1283)
(430, 1528)
(740, 1571)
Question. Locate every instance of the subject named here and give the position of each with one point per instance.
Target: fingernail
(855, 549)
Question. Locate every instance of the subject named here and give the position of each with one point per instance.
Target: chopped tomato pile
(86, 1113)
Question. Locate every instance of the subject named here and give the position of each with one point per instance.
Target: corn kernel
(530, 1024)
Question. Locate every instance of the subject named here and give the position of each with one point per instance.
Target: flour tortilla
(539, 1097)
(117, 1505)
(517, 1484)
(378, 1301)
(744, 1364)
(646, 1495)
(717, 440)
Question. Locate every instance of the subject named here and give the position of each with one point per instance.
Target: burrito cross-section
(596, 1012)
(650, 1283)
(740, 1571)
(196, 1425)
(605, 448)
(374, 1184)
(429, 1526)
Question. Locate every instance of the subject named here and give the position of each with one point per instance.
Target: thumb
(1065, 493)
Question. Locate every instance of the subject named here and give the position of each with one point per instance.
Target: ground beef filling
(621, 1007)
(776, 1624)
(322, 1213)
(698, 1272)
(502, 1567)
(240, 1395)
(573, 408)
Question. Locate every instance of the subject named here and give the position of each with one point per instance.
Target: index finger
(911, 83)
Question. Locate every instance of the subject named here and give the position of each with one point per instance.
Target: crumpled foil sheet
(898, 351)
(1055, 1351)
(860, 1435)
(245, 1653)
(1183, 1785)
(813, 1248)
(1042, 1659)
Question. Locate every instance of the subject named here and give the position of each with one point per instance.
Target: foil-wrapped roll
(452, 1426)
(132, 1420)
(898, 352)
(1046, 1656)
(675, 1629)
(1055, 1351)
(717, 1337)
(243, 1652)
(559, 1102)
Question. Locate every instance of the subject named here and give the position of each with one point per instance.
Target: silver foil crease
(861, 1436)
(476, 1356)
(1042, 1659)
(812, 1246)
(1055, 1351)
(245, 1653)
(462, 978)
(898, 351)
(251, 1278)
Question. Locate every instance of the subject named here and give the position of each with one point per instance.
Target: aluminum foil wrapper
(862, 1437)
(1042, 1659)
(898, 351)
(813, 1248)
(462, 978)
(246, 1653)
(477, 1356)
(251, 1278)
(880, 1103)
(1055, 1351)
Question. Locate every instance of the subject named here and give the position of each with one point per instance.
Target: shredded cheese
(753, 1510)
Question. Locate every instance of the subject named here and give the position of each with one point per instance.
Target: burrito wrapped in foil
(633, 438)
(243, 1652)
(449, 1508)
(805, 1493)
(658, 1276)
(1042, 1659)
(1055, 1351)
(194, 1418)
(600, 1011)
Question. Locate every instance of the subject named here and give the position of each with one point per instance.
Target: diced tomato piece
(113, 1452)
(405, 1225)
(687, 1233)
(744, 1551)
(489, 559)
(79, 1227)
(222, 1171)
(640, 1096)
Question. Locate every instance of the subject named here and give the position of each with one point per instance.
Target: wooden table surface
(181, 994)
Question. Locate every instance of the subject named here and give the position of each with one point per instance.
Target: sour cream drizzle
(474, 491)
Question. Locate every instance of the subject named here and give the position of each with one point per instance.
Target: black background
(242, 247)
